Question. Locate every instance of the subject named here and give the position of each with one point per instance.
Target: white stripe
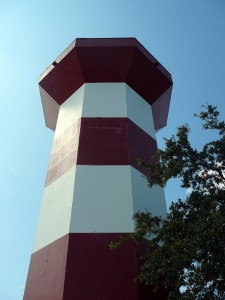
(105, 100)
(55, 213)
(100, 199)
(70, 112)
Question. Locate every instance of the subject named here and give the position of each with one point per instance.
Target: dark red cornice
(109, 60)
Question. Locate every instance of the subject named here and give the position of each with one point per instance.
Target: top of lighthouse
(91, 60)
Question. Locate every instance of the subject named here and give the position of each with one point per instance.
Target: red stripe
(113, 141)
(102, 141)
(46, 275)
(93, 271)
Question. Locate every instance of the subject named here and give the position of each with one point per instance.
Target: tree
(186, 250)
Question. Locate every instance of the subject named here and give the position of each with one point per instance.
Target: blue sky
(187, 37)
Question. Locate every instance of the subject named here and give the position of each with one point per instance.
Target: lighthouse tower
(105, 99)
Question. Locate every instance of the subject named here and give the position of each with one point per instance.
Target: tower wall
(93, 187)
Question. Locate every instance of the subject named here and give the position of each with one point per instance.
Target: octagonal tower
(104, 98)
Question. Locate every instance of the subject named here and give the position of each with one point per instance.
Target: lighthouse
(104, 99)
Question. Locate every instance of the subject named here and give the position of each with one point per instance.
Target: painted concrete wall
(94, 184)
(55, 214)
(105, 100)
(117, 100)
(95, 198)
(70, 111)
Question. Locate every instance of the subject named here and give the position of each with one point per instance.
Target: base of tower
(82, 267)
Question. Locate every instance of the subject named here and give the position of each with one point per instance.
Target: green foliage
(186, 251)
